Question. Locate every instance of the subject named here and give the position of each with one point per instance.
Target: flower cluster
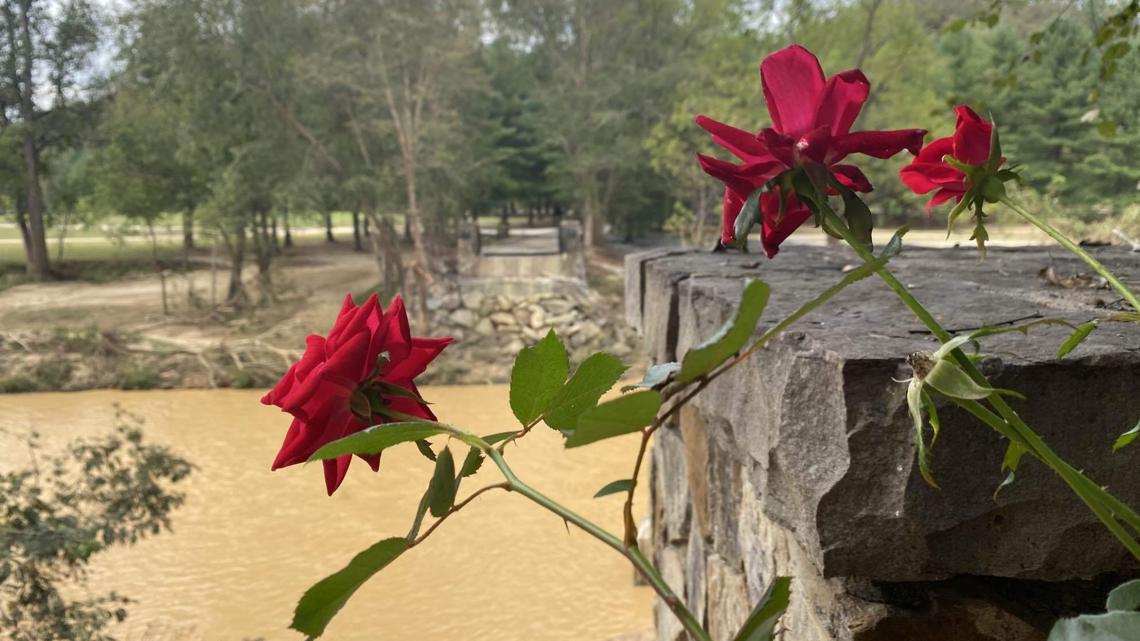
(811, 124)
(361, 374)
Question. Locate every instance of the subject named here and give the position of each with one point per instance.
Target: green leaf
(731, 337)
(538, 374)
(761, 623)
(1009, 464)
(421, 512)
(1113, 626)
(1124, 597)
(442, 488)
(378, 438)
(594, 377)
(749, 214)
(622, 415)
(491, 439)
(894, 245)
(614, 487)
(1076, 338)
(655, 376)
(950, 380)
(425, 449)
(914, 407)
(472, 463)
(994, 161)
(1126, 438)
(322, 601)
(859, 219)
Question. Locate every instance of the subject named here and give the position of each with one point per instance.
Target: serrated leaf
(731, 337)
(614, 487)
(1076, 338)
(322, 601)
(538, 373)
(655, 376)
(594, 377)
(472, 463)
(761, 623)
(442, 488)
(1124, 439)
(378, 438)
(622, 415)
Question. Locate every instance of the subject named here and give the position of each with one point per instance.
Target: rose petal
(793, 82)
(877, 144)
(731, 209)
(936, 150)
(925, 177)
(423, 352)
(941, 196)
(842, 99)
(852, 178)
(742, 144)
(971, 137)
(775, 229)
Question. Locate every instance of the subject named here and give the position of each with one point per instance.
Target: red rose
(970, 145)
(811, 123)
(368, 354)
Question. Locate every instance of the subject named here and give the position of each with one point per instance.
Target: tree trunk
(328, 228)
(273, 234)
(263, 251)
(188, 229)
(158, 266)
(38, 265)
(22, 223)
(415, 228)
(237, 296)
(288, 232)
(367, 226)
(356, 241)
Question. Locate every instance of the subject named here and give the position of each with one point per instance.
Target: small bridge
(519, 257)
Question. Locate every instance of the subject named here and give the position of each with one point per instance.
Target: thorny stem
(1076, 249)
(455, 508)
(630, 552)
(1105, 506)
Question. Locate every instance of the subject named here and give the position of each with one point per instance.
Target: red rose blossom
(970, 145)
(368, 352)
(811, 123)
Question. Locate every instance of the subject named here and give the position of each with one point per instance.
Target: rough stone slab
(819, 430)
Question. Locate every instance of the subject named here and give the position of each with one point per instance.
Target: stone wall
(801, 461)
(493, 319)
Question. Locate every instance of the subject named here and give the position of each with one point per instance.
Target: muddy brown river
(248, 542)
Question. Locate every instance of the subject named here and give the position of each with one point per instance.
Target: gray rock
(558, 305)
(537, 318)
(485, 327)
(801, 461)
(463, 317)
(473, 299)
(503, 319)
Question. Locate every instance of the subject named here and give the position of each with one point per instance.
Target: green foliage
(594, 377)
(614, 487)
(1120, 623)
(57, 515)
(1126, 438)
(378, 438)
(537, 376)
(731, 337)
(622, 415)
(322, 601)
(441, 490)
(761, 623)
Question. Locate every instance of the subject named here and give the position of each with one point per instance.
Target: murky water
(249, 542)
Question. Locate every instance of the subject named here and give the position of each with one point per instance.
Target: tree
(44, 50)
(59, 513)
